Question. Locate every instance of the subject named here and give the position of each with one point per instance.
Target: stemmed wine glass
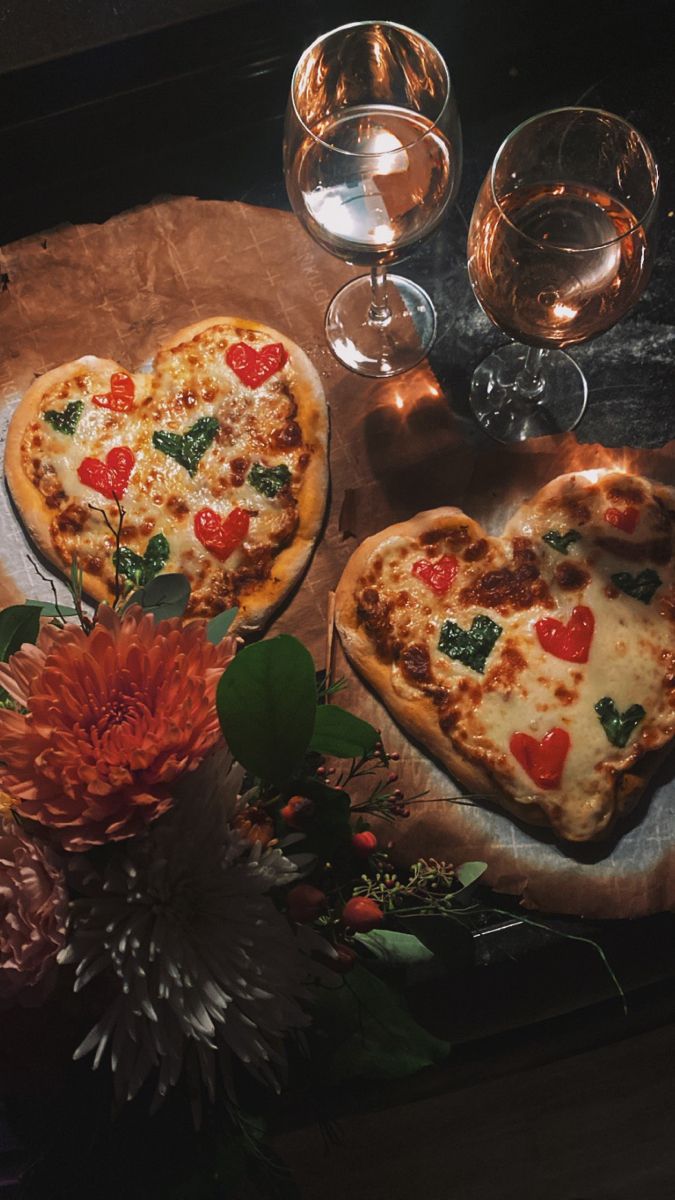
(372, 158)
(560, 248)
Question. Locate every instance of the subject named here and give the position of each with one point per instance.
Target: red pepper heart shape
(571, 642)
(625, 519)
(121, 396)
(543, 761)
(438, 575)
(253, 366)
(111, 477)
(221, 535)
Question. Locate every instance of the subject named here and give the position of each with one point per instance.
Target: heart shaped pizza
(216, 457)
(539, 667)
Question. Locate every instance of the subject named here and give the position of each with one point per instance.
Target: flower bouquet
(194, 860)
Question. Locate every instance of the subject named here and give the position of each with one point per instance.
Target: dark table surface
(196, 107)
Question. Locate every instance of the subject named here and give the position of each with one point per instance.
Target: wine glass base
(508, 415)
(380, 348)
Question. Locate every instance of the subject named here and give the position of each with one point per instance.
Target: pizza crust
(289, 564)
(418, 714)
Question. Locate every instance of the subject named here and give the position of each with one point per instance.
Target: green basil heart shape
(561, 541)
(269, 480)
(640, 587)
(66, 420)
(141, 570)
(188, 448)
(618, 726)
(472, 647)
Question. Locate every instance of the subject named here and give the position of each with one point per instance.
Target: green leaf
(188, 448)
(166, 596)
(219, 626)
(472, 647)
(52, 610)
(266, 703)
(618, 725)
(448, 938)
(468, 872)
(269, 480)
(561, 541)
(18, 624)
(640, 587)
(395, 949)
(375, 1034)
(67, 419)
(340, 734)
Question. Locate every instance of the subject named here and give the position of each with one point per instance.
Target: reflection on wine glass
(561, 245)
(372, 156)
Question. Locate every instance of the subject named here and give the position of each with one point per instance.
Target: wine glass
(372, 158)
(561, 245)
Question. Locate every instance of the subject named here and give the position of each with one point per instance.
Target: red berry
(296, 810)
(364, 843)
(305, 903)
(360, 914)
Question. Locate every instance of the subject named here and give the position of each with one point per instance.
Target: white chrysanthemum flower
(206, 965)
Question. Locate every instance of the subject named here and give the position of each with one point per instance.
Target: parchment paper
(396, 447)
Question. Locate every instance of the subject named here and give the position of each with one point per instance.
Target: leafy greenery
(373, 1033)
(219, 626)
(561, 541)
(393, 948)
(472, 647)
(166, 596)
(52, 610)
(18, 624)
(267, 704)
(469, 873)
(640, 587)
(189, 448)
(66, 420)
(618, 725)
(269, 480)
(340, 734)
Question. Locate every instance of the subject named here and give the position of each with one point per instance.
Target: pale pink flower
(33, 915)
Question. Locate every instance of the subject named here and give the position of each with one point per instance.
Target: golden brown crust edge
(289, 564)
(35, 513)
(419, 718)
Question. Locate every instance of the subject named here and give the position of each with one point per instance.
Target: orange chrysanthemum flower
(113, 720)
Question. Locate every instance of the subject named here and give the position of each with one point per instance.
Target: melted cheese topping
(524, 688)
(256, 426)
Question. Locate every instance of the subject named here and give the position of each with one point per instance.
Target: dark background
(106, 105)
(103, 106)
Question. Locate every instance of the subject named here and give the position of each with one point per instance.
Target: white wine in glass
(372, 155)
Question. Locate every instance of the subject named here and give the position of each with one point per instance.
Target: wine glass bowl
(560, 248)
(372, 155)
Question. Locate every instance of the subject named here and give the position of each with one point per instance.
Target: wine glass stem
(379, 312)
(531, 380)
